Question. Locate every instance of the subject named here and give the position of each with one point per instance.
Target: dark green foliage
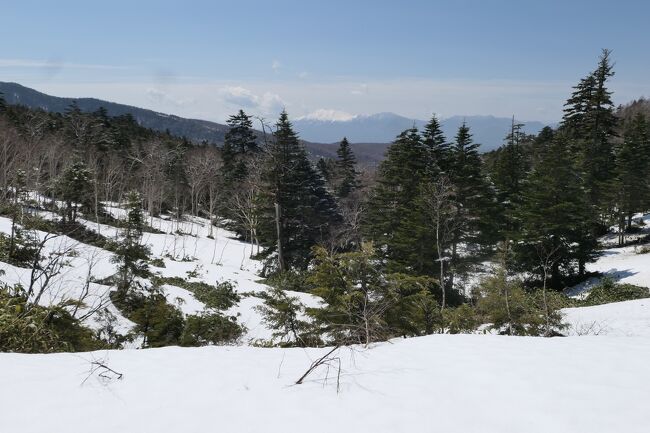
(590, 124)
(609, 291)
(476, 208)
(282, 313)
(361, 305)
(306, 208)
(632, 168)
(160, 323)
(326, 167)
(130, 254)
(294, 281)
(157, 262)
(29, 328)
(219, 297)
(355, 298)
(440, 151)
(240, 141)
(555, 216)
(508, 175)
(511, 310)
(413, 305)
(461, 320)
(20, 251)
(75, 186)
(210, 328)
(396, 221)
(346, 169)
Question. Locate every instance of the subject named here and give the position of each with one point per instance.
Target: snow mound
(621, 319)
(447, 383)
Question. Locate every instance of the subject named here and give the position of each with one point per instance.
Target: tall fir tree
(130, 254)
(632, 170)
(325, 167)
(590, 122)
(473, 191)
(299, 209)
(240, 141)
(346, 169)
(75, 187)
(440, 151)
(556, 216)
(508, 175)
(396, 221)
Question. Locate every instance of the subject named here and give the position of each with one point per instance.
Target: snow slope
(596, 380)
(442, 383)
(184, 247)
(620, 319)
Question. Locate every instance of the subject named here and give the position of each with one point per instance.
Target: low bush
(28, 328)
(461, 320)
(210, 328)
(220, 296)
(608, 291)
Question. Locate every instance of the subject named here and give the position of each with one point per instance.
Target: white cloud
(276, 65)
(164, 98)
(237, 95)
(267, 103)
(328, 115)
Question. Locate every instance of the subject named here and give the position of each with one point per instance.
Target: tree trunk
(278, 228)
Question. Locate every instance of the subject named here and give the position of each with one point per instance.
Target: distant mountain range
(384, 127)
(193, 129)
(368, 133)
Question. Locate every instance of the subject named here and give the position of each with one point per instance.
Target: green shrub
(461, 320)
(210, 328)
(513, 311)
(220, 297)
(24, 250)
(608, 291)
(159, 322)
(294, 281)
(157, 262)
(28, 328)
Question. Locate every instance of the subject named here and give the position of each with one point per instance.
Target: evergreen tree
(281, 313)
(355, 297)
(75, 188)
(346, 169)
(299, 210)
(473, 194)
(508, 175)
(130, 254)
(555, 216)
(440, 151)
(396, 220)
(589, 121)
(325, 168)
(3, 103)
(240, 140)
(632, 169)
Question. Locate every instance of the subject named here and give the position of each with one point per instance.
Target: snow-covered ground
(619, 319)
(442, 383)
(184, 247)
(595, 380)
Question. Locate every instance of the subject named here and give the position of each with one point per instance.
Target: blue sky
(333, 58)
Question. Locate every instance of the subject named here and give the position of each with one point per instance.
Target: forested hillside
(438, 238)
